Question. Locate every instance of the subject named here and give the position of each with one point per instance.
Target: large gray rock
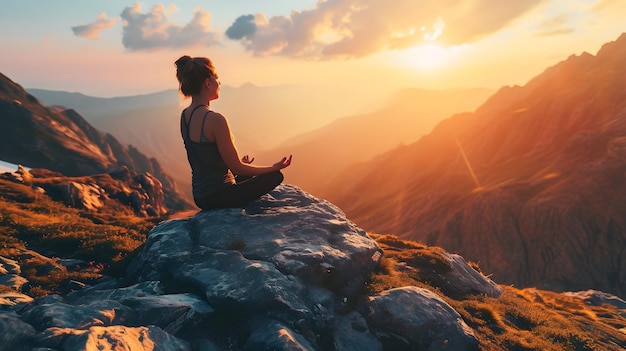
(420, 319)
(276, 337)
(14, 333)
(351, 333)
(598, 298)
(58, 314)
(289, 229)
(464, 280)
(77, 195)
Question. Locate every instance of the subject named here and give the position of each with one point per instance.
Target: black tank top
(209, 172)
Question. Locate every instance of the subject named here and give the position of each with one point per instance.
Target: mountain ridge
(529, 184)
(404, 116)
(408, 114)
(63, 141)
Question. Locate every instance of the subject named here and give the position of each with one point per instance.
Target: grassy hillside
(36, 231)
(520, 319)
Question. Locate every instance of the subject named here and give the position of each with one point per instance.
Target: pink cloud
(92, 31)
(355, 28)
(154, 29)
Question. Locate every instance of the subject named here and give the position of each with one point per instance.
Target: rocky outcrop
(119, 190)
(63, 141)
(284, 273)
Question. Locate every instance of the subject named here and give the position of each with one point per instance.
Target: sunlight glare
(427, 56)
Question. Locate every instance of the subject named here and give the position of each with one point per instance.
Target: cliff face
(531, 185)
(63, 141)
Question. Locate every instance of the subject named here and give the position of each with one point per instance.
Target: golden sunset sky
(119, 48)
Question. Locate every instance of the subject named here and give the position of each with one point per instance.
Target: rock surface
(284, 273)
(119, 189)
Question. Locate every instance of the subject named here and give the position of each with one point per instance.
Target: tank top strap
(191, 116)
(202, 135)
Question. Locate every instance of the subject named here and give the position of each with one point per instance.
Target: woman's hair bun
(182, 61)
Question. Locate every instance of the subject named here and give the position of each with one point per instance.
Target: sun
(429, 56)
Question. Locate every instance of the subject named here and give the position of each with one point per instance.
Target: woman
(210, 148)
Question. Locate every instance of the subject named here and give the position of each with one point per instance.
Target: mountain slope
(531, 184)
(63, 141)
(266, 121)
(259, 117)
(325, 152)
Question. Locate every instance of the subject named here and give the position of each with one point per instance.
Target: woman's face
(213, 83)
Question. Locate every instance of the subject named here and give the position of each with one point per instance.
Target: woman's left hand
(247, 159)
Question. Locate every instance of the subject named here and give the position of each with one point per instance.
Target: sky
(112, 48)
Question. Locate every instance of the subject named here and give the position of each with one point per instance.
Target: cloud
(153, 30)
(355, 28)
(92, 31)
(610, 5)
(556, 25)
(244, 27)
(610, 10)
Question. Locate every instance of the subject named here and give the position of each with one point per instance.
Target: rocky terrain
(63, 141)
(291, 272)
(531, 184)
(118, 191)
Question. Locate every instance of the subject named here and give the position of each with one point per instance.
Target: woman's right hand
(285, 162)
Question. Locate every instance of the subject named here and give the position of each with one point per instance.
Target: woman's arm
(218, 126)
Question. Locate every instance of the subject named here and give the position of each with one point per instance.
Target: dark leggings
(242, 192)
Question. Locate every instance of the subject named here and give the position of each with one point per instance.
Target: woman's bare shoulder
(215, 115)
(216, 119)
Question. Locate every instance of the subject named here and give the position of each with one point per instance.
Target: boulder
(276, 337)
(464, 280)
(43, 315)
(351, 333)
(14, 333)
(419, 319)
(288, 229)
(599, 298)
(83, 196)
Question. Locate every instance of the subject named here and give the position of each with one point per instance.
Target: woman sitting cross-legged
(210, 148)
